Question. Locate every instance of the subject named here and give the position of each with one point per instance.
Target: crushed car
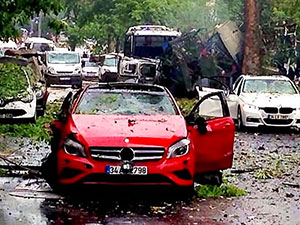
(254, 101)
(134, 134)
(143, 47)
(23, 95)
(109, 67)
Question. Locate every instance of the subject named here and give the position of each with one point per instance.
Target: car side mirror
(201, 125)
(190, 119)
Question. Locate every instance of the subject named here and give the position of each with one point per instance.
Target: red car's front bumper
(77, 170)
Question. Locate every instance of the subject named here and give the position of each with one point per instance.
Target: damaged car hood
(271, 100)
(158, 130)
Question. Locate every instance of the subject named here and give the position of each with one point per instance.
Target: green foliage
(13, 82)
(212, 191)
(36, 131)
(186, 105)
(3, 172)
(107, 21)
(13, 13)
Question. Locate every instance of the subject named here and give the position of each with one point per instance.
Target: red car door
(211, 132)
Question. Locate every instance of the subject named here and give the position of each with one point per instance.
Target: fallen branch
(16, 166)
(292, 185)
(240, 171)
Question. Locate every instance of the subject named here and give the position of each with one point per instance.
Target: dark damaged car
(134, 134)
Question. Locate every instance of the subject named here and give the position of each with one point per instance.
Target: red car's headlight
(180, 148)
(74, 148)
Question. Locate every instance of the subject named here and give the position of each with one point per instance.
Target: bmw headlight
(51, 70)
(73, 147)
(180, 148)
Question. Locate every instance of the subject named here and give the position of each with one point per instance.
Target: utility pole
(252, 40)
(40, 24)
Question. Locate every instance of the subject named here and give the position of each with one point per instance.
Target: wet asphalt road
(266, 165)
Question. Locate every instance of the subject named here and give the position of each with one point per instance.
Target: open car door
(211, 137)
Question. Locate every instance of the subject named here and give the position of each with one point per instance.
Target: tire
(33, 119)
(49, 172)
(212, 178)
(186, 192)
(75, 86)
(47, 83)
(239, 125)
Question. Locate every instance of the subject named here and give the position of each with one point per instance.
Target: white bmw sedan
(262, 101)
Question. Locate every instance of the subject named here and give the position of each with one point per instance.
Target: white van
(63, 68)
(39, 44)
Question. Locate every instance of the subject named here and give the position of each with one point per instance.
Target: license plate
(65, 78)
(278, 117)
(136, 170)
(6, 116)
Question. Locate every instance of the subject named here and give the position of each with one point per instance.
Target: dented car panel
(123, 145)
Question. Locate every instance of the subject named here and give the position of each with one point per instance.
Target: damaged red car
(134, 134)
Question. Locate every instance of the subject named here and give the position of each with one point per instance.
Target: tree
(252, 40)
(13, 13)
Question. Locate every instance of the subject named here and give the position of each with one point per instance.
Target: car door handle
(226, 125)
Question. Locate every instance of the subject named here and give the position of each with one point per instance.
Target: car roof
(38, 40)
(270, 77)
(128, 86)
(62, 52)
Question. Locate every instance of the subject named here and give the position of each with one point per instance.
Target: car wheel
(75, 86)
(47, 83)
(33, 119)
(49, 172)
(212, 178)
(186, 192)
(239, 124)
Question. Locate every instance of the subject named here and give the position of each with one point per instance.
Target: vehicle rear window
(128, 102)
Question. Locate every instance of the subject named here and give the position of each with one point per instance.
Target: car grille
(113, 153)
(278, 122)
(13, 112)
(64, 72)
(270, 109)
(283, 110)
(286, 110)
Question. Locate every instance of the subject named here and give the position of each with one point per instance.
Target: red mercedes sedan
(134, 134)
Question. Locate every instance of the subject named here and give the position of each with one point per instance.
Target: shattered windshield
(110, 62)
(42, 47)
(269, 86)
(150, 46)
(63, 58)
(124, 102)
(90, 64)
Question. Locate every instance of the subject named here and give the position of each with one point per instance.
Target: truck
(143, 47)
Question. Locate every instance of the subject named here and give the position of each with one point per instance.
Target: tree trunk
(252, 41)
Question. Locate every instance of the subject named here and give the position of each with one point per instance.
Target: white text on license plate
(283, 117)
(136, 170)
